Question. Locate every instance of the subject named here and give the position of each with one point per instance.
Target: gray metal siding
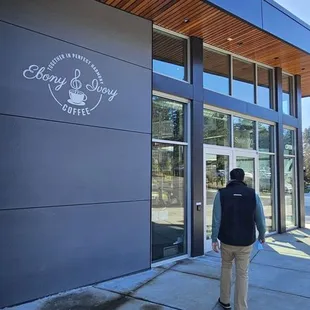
(75, 189)
(53, 164)
(55, 249)
(86, 23)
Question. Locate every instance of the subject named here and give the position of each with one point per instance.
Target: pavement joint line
(284, 268)
(150, 280)
(272, 290)
(215, 306)
(197, 275)
(139, 298)
(251, 260)
(129, 293)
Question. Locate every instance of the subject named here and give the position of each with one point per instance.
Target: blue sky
(300, 8)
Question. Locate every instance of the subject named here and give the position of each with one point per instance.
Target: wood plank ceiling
(216, 27)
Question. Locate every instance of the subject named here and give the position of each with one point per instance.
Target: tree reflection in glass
(244, 133)
(216, 128)
(167, 119)
(168, 201)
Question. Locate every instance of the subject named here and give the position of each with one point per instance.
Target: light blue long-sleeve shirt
(217, 214)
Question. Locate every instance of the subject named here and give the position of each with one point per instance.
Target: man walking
(236, 211)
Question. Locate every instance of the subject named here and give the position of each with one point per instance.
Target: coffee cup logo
(77, 97)
(74, 100)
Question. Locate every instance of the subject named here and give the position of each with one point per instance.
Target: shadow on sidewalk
(279, 278)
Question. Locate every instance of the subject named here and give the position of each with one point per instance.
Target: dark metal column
(280, 153)
(197, 225)
(299, 148)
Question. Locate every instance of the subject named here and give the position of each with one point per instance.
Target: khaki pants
(241, 255)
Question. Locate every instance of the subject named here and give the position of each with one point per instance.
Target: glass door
(290, 199)
(248, 161)
(217, 164)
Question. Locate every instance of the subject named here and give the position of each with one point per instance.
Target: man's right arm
(260, 219)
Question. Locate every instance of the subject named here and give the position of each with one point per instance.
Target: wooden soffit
(222, 30)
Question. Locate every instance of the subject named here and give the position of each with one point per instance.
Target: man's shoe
(225, 306)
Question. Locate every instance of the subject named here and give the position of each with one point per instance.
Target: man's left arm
(260, 219)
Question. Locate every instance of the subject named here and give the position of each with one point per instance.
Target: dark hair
(237, 174)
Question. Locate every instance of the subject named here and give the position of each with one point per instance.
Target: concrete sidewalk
(279, 279)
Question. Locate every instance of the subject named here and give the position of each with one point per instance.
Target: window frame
(187, 67)
(272, 86)
(254, 68)
(255, 127)
(188, 179)
(274, 150)
(292, 103)
(230, 119)
(229, 68)
(256, 64)
(256, 151)
(294, 157)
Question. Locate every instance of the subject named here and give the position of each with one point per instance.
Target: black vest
(238, 203)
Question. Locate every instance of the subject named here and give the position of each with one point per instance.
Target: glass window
(217, 177)
(167, 119)
(168, 201)
(216, 128)
(290, 191)
(248, 165)
(216, 71)
(243, 80)
(264, 87)
(169, 55)
(287, 94)
(244, 133)
(289, 142)
(266, 189)
(265, 138)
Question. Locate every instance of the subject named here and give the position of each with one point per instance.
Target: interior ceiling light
(229, 39)
(186, 20)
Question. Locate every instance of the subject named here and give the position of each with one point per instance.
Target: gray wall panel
(75, 189)
(86, 23)
(54, 249)
(49, 164)
(32, 97)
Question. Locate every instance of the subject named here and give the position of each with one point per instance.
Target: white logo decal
(70, 91)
